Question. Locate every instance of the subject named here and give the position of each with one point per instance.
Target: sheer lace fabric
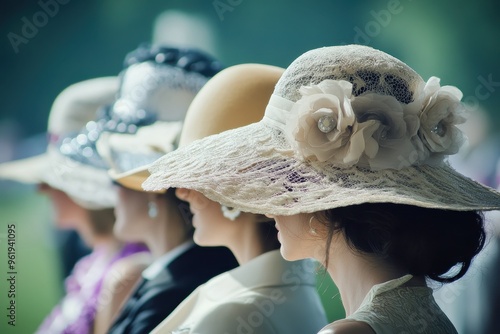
(253, 169)
(391, 308)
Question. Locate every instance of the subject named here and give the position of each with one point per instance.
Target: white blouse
(391, 308)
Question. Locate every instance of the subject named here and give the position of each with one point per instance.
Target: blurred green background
(458, 41)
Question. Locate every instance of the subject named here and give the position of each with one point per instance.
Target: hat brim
(132, 179)
(88, 186)
(30, 170)
(254, 169)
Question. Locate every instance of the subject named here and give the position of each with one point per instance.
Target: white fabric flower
(372, 130)
(392, 138)
(345, 142)
(441, 112)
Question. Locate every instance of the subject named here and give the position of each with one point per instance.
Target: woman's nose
(182, 193)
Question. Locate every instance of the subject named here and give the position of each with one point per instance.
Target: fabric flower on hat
(440, 114)
(395, 127)
(322, 125)
(373, 130)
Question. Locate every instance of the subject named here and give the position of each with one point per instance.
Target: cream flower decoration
(392, 138)
(322, 125)
(440, 114)
(372, 130)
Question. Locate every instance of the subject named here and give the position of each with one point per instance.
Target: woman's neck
(169, 233)
(246, 242)
(355, 274)
(107, 242)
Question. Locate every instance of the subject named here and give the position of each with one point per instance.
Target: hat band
(127, 152)
(277, 111)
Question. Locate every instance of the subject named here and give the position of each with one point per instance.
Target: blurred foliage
(38, 279)
(457, 41)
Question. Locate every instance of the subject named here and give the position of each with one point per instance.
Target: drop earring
(312, 230)
(152, 209)
(230, 213)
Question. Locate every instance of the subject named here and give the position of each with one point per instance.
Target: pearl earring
(230, 213)
(152, 209)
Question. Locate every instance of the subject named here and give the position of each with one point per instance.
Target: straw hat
(345, 125)
(157, 87)
(234, 98)
(72, 109)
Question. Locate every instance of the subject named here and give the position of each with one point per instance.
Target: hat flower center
(326, 123)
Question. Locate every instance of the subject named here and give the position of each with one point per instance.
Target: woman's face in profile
(297, 239)
(69, 215)
(211, 227)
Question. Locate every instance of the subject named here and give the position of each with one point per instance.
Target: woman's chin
(121, 233)
(202, 240)
(286, 255)
(289, 255)
(198, 238)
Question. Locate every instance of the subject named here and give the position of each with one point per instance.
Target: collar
(266, 270)
(380, 288)
(163, 261)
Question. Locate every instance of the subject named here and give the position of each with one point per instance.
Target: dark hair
(268, 233)
(102, 221)
(426, 242)
(182, 206)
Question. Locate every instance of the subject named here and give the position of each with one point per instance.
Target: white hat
(129, 155)
(158, 84)
(72, 109)
(346, 125)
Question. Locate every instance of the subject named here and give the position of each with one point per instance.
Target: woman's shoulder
(236, 317)
(124, 273)
(139, 259)
(347, 326)
(117, 286)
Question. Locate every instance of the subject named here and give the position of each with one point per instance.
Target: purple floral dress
(75, 313)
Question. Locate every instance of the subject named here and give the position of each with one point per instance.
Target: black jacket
(153, 300)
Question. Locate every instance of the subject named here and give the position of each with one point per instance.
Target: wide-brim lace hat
(74, 107)
(156, 88)
(345, 125)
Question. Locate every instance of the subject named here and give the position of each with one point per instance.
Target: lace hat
(157, 87)
(345, 125)
(72, 109)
